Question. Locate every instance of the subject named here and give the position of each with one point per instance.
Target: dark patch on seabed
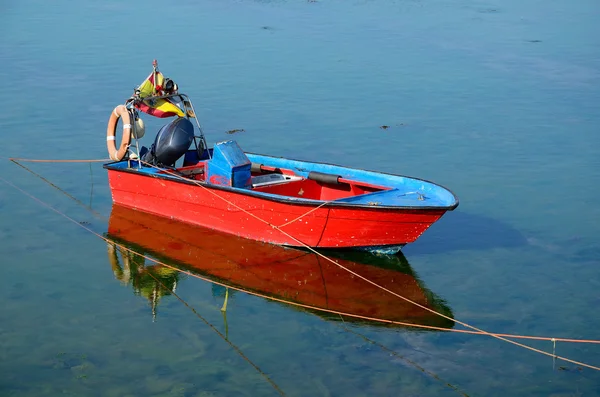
(385, 127)
(488, 10)
(235, 131)
(464, 231)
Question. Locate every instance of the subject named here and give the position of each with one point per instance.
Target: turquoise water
(496, 100)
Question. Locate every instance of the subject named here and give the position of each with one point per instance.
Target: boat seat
(273, 179)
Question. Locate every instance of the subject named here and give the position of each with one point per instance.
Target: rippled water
(496, 100)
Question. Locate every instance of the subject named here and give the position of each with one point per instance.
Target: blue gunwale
(401, 193)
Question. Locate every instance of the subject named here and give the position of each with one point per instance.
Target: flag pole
(154, 67)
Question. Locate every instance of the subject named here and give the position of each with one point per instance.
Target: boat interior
(226, 164)
(269, 179)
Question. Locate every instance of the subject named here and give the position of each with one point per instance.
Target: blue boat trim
(404, 192)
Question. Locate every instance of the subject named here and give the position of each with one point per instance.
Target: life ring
(111, 132)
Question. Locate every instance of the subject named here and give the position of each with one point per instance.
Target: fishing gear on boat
(157, 96)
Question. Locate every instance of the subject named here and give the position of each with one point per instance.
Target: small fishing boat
(289, 275)
(270, 199)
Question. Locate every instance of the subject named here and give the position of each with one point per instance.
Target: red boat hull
(288, 274)
(252, 217)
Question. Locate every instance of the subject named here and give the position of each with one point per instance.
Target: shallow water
(495, 100)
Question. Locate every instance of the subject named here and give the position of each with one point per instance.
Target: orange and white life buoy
(111, 132)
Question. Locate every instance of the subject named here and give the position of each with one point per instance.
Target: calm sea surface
(497, 100)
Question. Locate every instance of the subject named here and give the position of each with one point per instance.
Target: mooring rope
(347, 314)
(237, 349)
(24, 160)
(306, 246)
(81, 203)
(303, 215)
(474, 329)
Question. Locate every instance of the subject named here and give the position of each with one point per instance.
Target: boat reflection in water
(292, 275)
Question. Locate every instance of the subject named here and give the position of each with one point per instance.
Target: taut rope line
(475, 329)
(81, 203)
(56, 161)
(357, 316)
(366, 279)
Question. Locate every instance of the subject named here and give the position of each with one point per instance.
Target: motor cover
(171, 142)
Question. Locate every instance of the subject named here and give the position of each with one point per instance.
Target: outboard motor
(171, 142)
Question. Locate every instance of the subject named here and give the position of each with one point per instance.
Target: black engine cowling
(171, 142)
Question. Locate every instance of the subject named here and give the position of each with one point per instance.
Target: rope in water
(383, 347)
(475, 330)
(497, 336)
(396, 354)
(237, 349)
(81, 203)
(346, 314)
(14, 159)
